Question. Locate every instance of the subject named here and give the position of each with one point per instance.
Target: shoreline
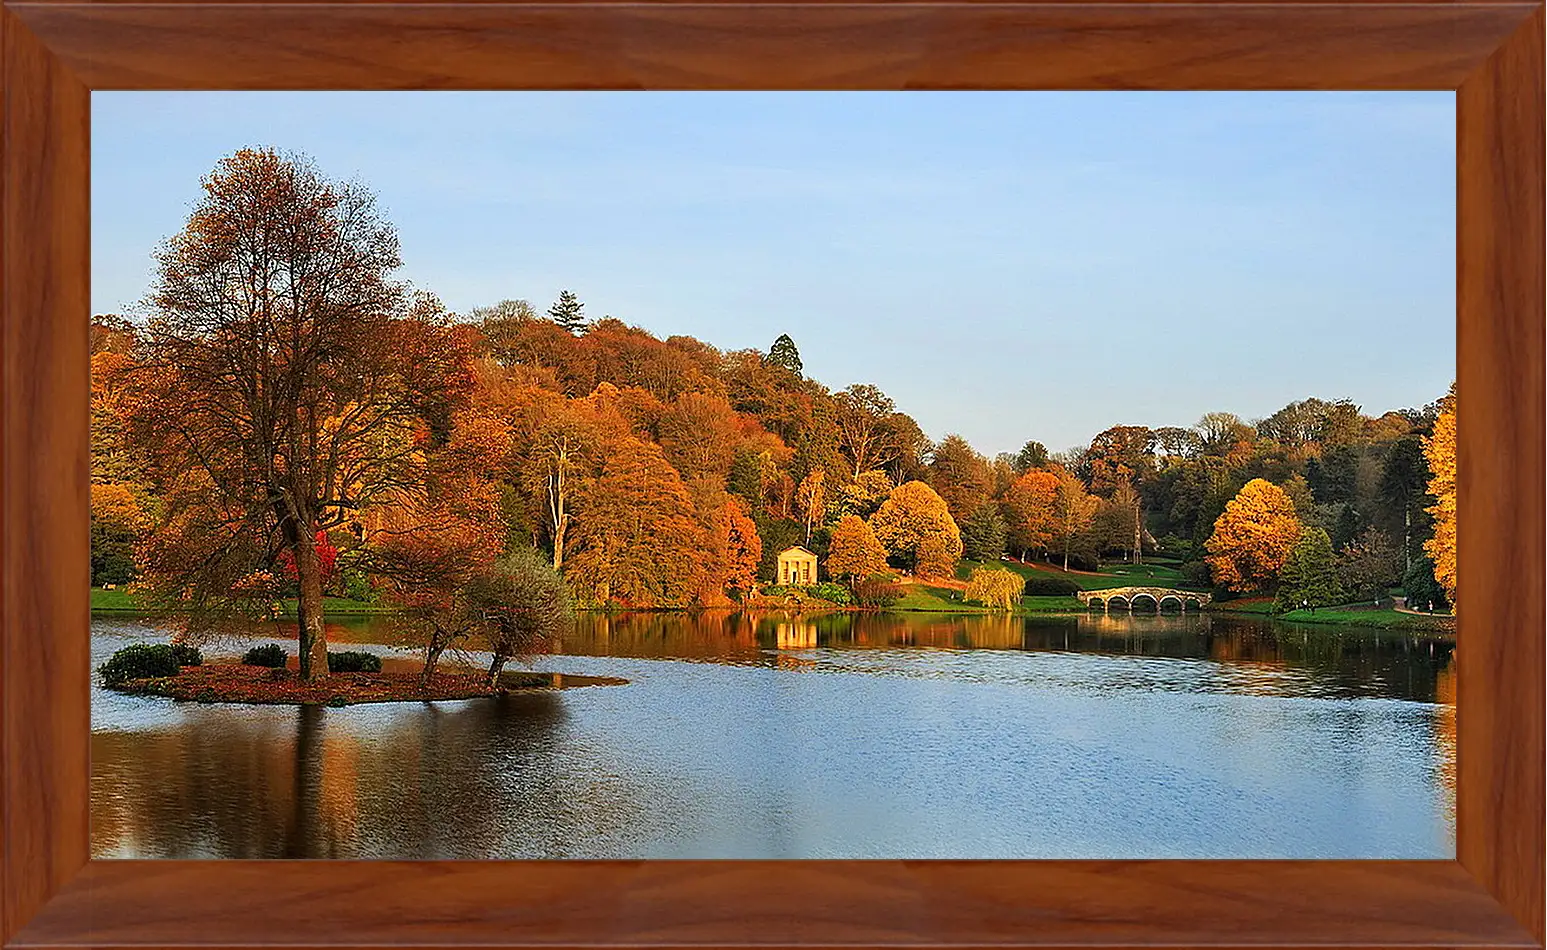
(234, 684)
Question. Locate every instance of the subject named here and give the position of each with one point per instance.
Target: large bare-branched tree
(288, 380)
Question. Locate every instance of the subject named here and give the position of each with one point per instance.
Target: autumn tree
(854, 551)
(568, 312)
(639, 542)
(1309, 575)
(863, 417)
(699, 432)
(1073, 511)
(784, 355)
(1440, 451)
(1253, 537)
(1220, 433)
(739, 546)
(811, 501)
(960, 476)
(1117, 455)
(1030, 506)
(563, 449)
(428, 544)
(865, 494)
(286, 381)
(917, 529)
(120, 517)
(1129, 510)
(995, 587)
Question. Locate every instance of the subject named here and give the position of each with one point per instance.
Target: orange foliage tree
(638, 541)
(1030, 504)
(1253, 537)
(854, 551)
(287, 381)
(915, 526)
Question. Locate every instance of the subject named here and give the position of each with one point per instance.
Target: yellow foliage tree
(1440, 450)
(1253, 537)
(913, 524)
(995, 587)
(854, 550)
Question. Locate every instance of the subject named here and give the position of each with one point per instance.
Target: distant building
(797, 567)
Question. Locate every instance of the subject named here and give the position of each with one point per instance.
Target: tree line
(287, 418)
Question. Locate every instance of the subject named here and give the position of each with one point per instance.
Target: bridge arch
(1095, 603)
(1144, 601)
(1118, 602)
(1175, 600)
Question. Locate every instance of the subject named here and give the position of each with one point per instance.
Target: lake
(837, 736)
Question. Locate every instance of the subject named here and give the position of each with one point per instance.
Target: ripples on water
(839, 736)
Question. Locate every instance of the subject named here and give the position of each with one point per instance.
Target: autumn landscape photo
(646, 475)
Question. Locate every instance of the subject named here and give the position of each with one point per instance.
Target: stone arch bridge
(1157, 598)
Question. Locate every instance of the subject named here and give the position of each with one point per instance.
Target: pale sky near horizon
(1008, 266)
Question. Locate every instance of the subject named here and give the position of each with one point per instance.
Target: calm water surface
(844, 736)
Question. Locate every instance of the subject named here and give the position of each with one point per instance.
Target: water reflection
(842, 735)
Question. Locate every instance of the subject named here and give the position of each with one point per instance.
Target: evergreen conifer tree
(568, 312)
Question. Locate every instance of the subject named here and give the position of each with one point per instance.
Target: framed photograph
(668, 474)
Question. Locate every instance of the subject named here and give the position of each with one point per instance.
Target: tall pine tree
(568, 312)
(783, 353)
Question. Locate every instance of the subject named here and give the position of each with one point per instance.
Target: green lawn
(121, 601)
(1383, 618)
(1159, 574)
(925, 597)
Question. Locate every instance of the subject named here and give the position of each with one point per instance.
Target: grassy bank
(120, 601)
(1158, 574)
(1384, 618)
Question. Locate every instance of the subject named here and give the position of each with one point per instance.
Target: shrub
(833, 593)
(353, 661)
(187, 655)
(877, 590)
(1050, 587)
(139, 661)
(270, 654)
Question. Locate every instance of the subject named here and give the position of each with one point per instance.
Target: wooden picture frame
(56, 51)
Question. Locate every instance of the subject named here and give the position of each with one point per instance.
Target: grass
(123, 602)
(1384, 618)
(1156, 574)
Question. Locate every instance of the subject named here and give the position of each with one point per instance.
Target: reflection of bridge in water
(1152, 598)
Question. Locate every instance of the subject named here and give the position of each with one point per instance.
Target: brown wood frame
(55, 51)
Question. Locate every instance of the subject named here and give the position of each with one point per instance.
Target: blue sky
(1008, 266)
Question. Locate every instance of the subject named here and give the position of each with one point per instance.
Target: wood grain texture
(44, 379)
(771, 45)
(53, 50)
(1500, 342)
(774, 904)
